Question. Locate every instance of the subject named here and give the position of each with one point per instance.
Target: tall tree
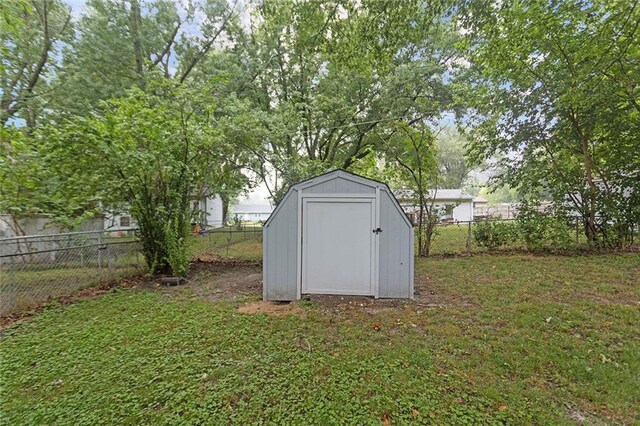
(412, 153)
(555, 91)
(125, 44)
(330, 74)
(31, 36)
(453, 165)
(151, 152)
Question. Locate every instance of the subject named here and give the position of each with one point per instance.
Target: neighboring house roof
(251, 208)
(449, 194)
(436, 194)
(480, 200)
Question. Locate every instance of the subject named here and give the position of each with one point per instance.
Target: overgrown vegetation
(412, 154)
(546, 93)
(555, 106)
(156, 151)
(546, 230)
(495, 234)
(509, 339)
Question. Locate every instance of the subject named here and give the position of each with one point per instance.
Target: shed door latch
(377, 231)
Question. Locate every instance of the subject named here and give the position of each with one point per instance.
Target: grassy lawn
(490, 339)
(229, 242)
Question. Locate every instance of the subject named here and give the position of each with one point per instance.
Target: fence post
(108, 254)
(100, 257)
(11, 286)
(469, 236)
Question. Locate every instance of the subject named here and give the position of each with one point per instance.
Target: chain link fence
(238, 242)
(34, 269)
(506, 234)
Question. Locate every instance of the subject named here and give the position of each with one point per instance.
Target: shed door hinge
(377, 231)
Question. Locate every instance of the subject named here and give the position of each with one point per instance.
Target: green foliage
(495, 234)
(545, 230)
(453, 165)
(177, 246)
(333, 76)
(31, 36)
(149, 153)
(122, 45)
(37, 181)
(554, 108)
(500, 194)
(104, 361)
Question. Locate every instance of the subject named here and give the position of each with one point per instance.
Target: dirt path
(214, 282)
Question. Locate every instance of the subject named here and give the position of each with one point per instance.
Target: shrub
(543, 230)
(177, 247)
(495, 234)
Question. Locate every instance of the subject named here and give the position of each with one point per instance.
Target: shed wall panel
(340, 186)
(280, 254)
(395, 251)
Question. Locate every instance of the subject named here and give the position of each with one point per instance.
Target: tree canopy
(141, 105)
(554, 96)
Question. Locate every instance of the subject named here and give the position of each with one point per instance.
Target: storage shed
(338, 233)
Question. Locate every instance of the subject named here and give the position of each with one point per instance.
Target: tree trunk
(590, 202)
(134, 23)
(421, 226)
(225, 208)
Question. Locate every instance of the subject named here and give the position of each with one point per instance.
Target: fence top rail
(101, 246)
(64, 234)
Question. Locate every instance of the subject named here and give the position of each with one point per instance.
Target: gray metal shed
(338, 233)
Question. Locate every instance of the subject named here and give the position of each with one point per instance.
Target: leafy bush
(177, 250)
(544, 230)
(495, 234)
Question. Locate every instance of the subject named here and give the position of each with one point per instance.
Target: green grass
(491, 339)
(228, 242)
(451, 239)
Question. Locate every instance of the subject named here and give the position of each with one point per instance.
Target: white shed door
(337, 246)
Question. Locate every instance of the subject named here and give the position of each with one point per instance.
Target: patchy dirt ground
(213, 281)
(272, 308)
(213, 278)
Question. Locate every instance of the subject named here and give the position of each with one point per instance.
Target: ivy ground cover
(489, 339)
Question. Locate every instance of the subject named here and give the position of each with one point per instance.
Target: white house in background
(42, 225)
(454, 204)
(210, 209)
(118, 221)
(480, 205)
(251, 212)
